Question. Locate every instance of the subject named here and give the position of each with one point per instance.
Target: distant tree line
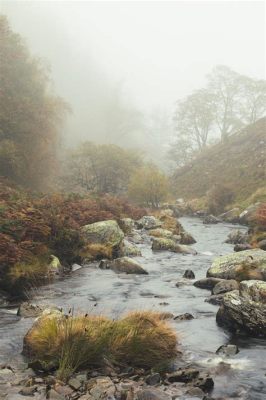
(227, 103)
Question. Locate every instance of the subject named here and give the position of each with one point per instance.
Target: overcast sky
(160, 50)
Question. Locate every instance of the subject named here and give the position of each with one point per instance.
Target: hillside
(240, 163)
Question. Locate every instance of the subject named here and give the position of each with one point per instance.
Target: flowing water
(90, 289)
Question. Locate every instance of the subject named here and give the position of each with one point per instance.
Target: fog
(123, 65)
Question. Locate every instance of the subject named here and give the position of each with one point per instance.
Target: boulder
(245, 310)
(148, 222)
(247, 217)
(262, 244)
(207, 283)
(242, 247)
(128, 249)
(105, 233)
(211, 219)
(189, 274)
(237, 237)
(216, 300)
(171, 245)
(123, 264)
(161, 233)
(244, 265)
(225, 286)
(127, 225)
(231, 216)
(227, 350)
(186, 238)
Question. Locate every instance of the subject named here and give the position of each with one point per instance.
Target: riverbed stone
(227, 350)
(170, 245)
(242, 247)
(153, 379)
(152, 394)
(184, 375)
(225, 286)
(106, 233)
(189, 274)
(184, 317)
(262, 244)
(207, 283)
(245, 310)
(187, 238)
(29, 310)
(127, 225)
(161, 233)
(244, 265)
(215, 299)
(128, 249)
(211, 219)
(237, 237)
(123, 264)
(148, 222)
(101, 388)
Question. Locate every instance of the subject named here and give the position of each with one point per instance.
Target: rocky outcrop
(171, 245)
(244, 265)
(247, 217)
(106, 233)
(123, 265)
(231, 216)
(245, 310)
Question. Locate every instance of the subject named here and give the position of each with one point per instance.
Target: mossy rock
(106, 233)
(243, 265)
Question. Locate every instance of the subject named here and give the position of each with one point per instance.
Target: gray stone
(75, 383)
(237, 237)
(189, 274)
(171, 245)
(228, 350)
(211, 219)
(207, 283)
(184, 317)
(152, 394)
(225, 286)
(153, 379)
(242, 247)
(148, 222)
(123, 264)
(248, 264)
(106, 233)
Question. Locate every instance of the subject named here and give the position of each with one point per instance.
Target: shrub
(140, 339)
(218, 197)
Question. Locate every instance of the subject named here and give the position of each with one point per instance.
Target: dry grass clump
(140, 339)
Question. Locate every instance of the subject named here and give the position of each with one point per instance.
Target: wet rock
(185, 375)
(248, 264)
(237, 237)
(248, 216)
(148, 222)
(184, 317)
(189, 274)
(242, 247)
(75, 383)
(207, 283)
(123, 264)
(262, 244)
(186, 238)
(170, 245)
(195, 392)
(128, 249)
(225, 286)
(215, 299)
(227, 350)
(231, 216)
(245, 311)
(106, 233)
(152, 394)
(211, 219)
(204, 382)
(153, 379)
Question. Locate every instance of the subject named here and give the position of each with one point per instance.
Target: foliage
(30, 115)
(140, 339)
(218, 197)
(35, 226)
(229, 102)
(148, 186)
(100, 168)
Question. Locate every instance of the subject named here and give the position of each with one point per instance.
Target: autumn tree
(30, 114)
(148, 186)
(100, 168)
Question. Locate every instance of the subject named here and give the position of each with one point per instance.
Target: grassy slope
(240, 162)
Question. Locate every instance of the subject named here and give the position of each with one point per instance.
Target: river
(90, 289)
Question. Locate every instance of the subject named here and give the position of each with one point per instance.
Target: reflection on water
(104, 292)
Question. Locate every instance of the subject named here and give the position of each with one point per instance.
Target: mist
(119, 63)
